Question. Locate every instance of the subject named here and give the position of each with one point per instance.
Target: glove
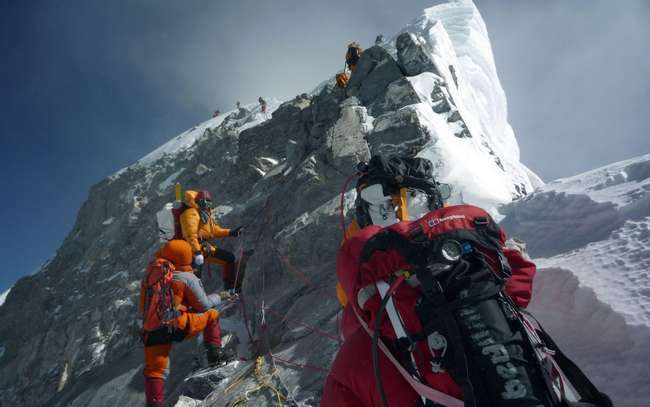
(225, 295)
(215, 299)
(236, 231)
(208, 249)
(198, 259)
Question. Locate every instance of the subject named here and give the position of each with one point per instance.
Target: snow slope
(595, 228)
(626, 184)
(3, 296)
(616, 268)
(184, 141)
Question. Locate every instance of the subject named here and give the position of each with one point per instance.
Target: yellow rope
(264, 379)
(238, 380)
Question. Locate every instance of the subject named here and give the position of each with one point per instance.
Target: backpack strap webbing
(587, 390)
(421, 389)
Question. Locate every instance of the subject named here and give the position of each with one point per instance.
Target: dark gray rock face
(369, 82)
(398, 132)
(412, 56)
(83, 333)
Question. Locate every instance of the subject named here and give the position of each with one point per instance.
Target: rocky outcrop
(412, 55)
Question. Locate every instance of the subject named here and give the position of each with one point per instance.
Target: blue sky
(89, 86)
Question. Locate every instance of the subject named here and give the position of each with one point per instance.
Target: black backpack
(498, 353)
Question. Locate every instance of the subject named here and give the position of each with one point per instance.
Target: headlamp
(451, 251)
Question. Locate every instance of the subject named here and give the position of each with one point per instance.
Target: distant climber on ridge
(262, 104)
(216, 113)
(198, 227)
(352, 55)
(175, 308)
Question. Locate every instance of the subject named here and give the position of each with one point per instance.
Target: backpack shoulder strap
(587, 390)
(421, 389)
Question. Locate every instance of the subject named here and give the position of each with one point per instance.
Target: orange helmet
(179, 252)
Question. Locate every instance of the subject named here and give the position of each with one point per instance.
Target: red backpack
(159, 309)
(177, 212)
(496, 352)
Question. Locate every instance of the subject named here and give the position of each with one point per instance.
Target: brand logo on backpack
(433, 222)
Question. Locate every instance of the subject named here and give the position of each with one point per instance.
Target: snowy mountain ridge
(615, 263)
(250, 116)
(3, 296)
(432, 91)
(622, 183)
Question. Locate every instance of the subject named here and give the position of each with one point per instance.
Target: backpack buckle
(481, 221)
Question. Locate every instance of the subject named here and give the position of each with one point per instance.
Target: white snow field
(593, 296)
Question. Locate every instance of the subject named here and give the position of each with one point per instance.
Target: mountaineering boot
(216, 355)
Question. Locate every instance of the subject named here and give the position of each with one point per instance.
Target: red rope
(303, 277)
(300, 365)
(265, 335)
(345, 188)
(241, 254)
(311, 327)
(245, 317)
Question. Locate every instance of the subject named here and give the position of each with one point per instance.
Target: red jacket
(351, 379)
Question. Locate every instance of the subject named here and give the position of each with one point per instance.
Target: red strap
(421, 389)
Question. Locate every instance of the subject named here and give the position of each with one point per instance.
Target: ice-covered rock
(412, 55)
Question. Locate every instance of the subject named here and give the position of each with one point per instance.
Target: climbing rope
(297, 322)
(342, 213)
(265, 381)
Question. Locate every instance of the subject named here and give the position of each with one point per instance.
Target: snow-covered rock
(3, 296)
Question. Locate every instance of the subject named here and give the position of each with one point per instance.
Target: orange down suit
(193, 229)
(197, 314)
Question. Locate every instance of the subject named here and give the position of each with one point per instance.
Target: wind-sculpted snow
(464, 90)
(612, 351)
(568, 213)
(593, 287)
(616, 268)
(482, 93)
